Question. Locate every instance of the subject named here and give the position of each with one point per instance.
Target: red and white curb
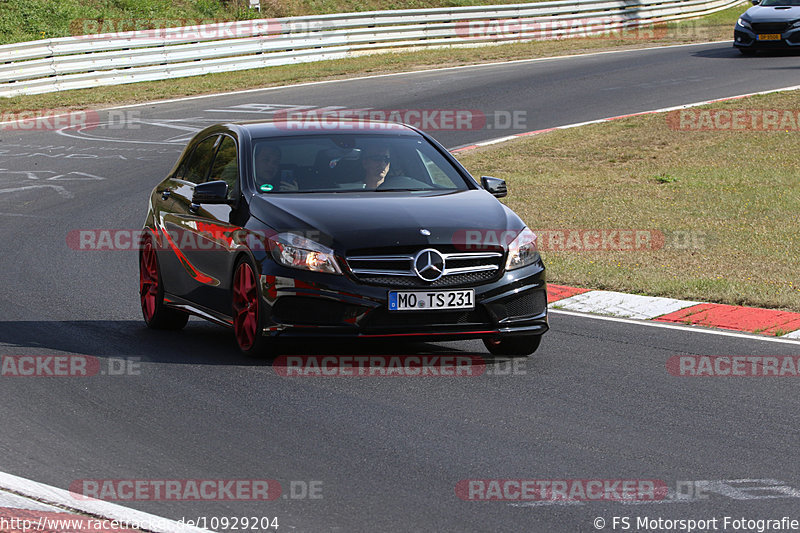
(28, 506)
(732, 317)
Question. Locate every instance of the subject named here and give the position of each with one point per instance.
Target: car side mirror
(211, 192)
(756, 2)
(495, 186)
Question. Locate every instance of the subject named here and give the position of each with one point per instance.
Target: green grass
(26, 20)
(728, 204)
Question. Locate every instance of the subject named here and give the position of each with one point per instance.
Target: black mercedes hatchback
(769, 24)
(357, 230)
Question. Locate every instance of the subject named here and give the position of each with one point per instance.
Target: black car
(769, 24)
(360, 230)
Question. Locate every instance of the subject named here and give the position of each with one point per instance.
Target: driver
(268, 164)
(376, 162)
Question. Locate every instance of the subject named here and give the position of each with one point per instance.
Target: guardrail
(126, 57)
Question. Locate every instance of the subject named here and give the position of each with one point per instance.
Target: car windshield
(351, 163)
(769, 3)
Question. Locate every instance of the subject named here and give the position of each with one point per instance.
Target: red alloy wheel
(148, 281)
(245, 307)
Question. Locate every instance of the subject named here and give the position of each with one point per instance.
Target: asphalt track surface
(595, 402)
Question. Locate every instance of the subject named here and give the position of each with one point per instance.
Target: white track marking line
(62, 498)
(692, 329)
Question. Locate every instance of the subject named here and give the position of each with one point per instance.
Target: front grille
(457, 280)
(460, 269)
(770, 27)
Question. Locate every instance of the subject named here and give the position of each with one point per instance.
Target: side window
(198, 163)
(226, 166)
(180, 174)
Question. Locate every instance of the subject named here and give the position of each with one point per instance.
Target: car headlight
(744, 23)
(796, 24)
(294, 251)
(522, 250)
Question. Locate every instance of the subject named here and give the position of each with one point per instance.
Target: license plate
(431, 300)
(769, 36)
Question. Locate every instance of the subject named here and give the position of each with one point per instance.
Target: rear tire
(513, 346)
(248, 312)
(151, 293)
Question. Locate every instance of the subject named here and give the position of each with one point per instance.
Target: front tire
(247, 312)
(513, 346)
(151, 293)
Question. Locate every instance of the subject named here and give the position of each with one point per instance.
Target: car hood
(351, 221)
(773, 13)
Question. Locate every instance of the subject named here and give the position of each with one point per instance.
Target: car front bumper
(307, 304)
(746, 38)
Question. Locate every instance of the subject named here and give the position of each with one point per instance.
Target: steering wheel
(402, 182)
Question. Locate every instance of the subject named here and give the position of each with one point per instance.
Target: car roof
(318, 125)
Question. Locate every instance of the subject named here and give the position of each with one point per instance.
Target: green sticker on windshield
(266, 187)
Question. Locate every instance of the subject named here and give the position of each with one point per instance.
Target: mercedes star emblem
(429, 264)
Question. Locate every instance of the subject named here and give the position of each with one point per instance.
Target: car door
(215, 231)
(177, 223)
